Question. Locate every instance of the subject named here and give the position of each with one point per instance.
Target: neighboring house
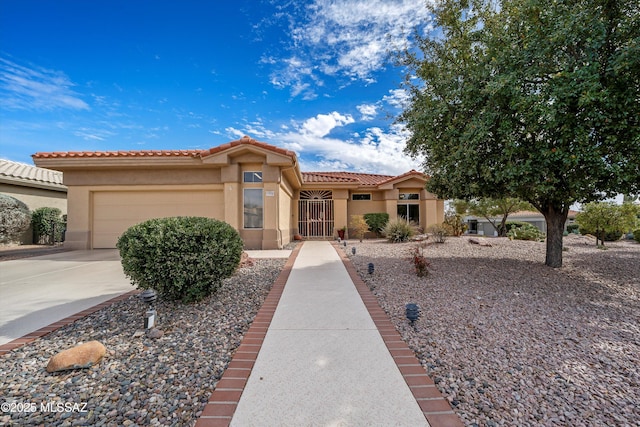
(255, 187)
(482, 226)
(35, 187)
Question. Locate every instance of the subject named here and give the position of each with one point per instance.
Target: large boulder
(79, 357)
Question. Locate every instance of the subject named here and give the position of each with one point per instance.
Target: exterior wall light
(413, 312)
(149, 296)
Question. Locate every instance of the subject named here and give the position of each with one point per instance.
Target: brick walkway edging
(435, 407)
(30, 337)
(224, 399)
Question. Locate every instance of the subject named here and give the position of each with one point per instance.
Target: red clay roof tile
(354, 177)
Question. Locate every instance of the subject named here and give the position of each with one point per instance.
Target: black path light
(371, 268)
(353, 250)
(149, 296)
(344, 243)
(413, 312)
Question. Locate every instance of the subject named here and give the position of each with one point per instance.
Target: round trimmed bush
(15, 218)
(525, 231)
(182, 258)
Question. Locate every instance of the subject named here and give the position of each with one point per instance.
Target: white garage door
(115, 211)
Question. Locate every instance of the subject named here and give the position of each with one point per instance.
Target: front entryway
(315, 213)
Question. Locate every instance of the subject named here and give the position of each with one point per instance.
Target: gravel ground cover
(511, 342)
(141, 381)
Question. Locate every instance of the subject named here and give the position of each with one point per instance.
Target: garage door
(115, 211)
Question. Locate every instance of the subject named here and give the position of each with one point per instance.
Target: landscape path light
(353, 250)
(371, 268)
(413, 312)
(149, 296)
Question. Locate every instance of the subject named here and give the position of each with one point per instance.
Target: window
(253, 208)
(361, 196)
(409, 196)
(409, 212)
(252, 177)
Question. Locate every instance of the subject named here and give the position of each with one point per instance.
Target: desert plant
(420, 262)
(454, 224)
(48, 225)
(526, 231)
(398, 230)
(359, 226)
(376, 221)
(438, 232)
(183, 258)
(15, 218)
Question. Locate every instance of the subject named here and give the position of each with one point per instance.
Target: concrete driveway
(36, 292)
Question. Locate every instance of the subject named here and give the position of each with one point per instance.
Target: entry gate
(315, 214)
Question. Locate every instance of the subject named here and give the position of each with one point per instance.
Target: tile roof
(138, 153)
(22, 172)
(245, 140)
(345, 177)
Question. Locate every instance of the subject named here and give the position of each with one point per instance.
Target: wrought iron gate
(315, 214)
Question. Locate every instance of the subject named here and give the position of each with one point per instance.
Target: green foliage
(15, 218)
(516, 224)
(359, 226)
(376, 221)
(182, 258)
(420, 262)
(399, 230)
(438, 232)
(607, 221)
(636, 235)
(453, 224)
(573, 228)
(526, 231)
(493, 208)
(529, 99)
(48, 225)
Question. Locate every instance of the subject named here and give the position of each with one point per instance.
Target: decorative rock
(80, 357)
(155, 333)
(480, 242)
(245, 261)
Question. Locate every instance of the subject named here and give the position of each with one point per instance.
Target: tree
(15, 218)
(531, 99)
(606, 217)
(490, 209)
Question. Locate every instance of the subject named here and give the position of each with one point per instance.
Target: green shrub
(438, 232)
(509, 225)
(526, 231)
(15, 218)
(48, 226)
(573, 228)
(376, 221)
(636, 235)
(613, 236)
(182, 258)
(399, 230)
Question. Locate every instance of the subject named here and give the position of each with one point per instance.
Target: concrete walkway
(321, 352)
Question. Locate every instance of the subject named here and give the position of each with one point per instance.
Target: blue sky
(311, 76)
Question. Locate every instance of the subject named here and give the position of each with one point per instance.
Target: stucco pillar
(391, 203)
(79, 218)
(340, 212)
(271, 234)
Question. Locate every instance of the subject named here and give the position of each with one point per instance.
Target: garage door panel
(115, 211)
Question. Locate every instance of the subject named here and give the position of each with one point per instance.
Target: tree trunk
(555, 216)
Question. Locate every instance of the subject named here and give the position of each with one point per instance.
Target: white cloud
(37, 88)
(368, 111)
(322, 124)
(349, 38)
(398, 98)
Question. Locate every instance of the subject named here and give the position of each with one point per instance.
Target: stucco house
(256, 187)
(482, 226)
(35, 187)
